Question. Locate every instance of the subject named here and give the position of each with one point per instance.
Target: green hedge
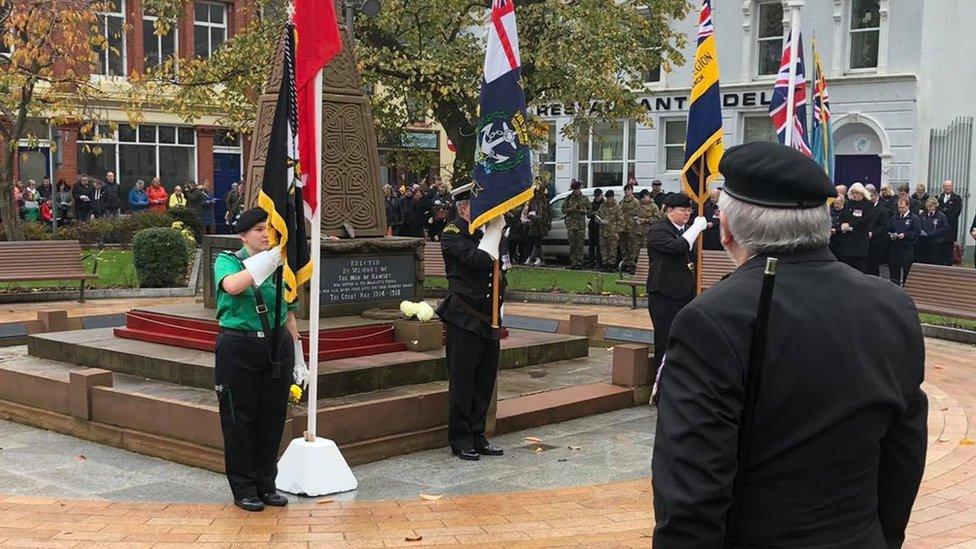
(98, 231)
(161, 257)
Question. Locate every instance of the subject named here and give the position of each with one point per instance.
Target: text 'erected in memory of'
(376, 278)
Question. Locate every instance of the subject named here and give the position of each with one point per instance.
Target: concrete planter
(419, 336)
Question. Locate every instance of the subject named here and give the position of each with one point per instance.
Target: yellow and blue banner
(503, 164)
(703, 144)
(821, 134)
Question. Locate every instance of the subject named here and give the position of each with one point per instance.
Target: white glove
(691, 233)
(301, 369)
(492, 237)
(262, 264)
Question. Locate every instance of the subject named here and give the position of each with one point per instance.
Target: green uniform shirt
(238, 311)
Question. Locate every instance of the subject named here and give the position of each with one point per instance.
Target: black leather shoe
(250, 503)
(274, 499)
(467, 455)
(491, 450)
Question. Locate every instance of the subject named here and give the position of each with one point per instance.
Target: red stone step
(548, 407)
(201, 334)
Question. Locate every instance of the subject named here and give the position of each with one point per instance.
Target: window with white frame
(209, 27)
(651, 75)
(607, 154)
(865, 34)
(546, 154)
(111, 54)
(157, 48)
(675, 132)
(143, 152)
(758, 127)
(769, 37)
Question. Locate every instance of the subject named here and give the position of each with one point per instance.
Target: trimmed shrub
(36, 231)
(190, 219)
(160, 256)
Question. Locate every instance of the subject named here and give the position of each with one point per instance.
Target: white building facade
(900, 77)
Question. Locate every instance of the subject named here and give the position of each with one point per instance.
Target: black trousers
(663, 309)
(252, 409)
(946, 249)
(472, 365)
(594, 247)
(900, 262)
(929, 252)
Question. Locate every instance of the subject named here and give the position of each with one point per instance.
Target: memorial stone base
(357, 274)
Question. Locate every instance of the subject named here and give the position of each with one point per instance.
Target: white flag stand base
(314, 469)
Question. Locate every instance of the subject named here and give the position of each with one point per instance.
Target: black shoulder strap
(261, 308)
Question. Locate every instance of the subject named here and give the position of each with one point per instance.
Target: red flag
(317, 42)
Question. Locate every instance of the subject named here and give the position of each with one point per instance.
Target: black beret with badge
(774, 176)
(249, 218)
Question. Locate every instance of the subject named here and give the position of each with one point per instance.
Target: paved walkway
(607, 515)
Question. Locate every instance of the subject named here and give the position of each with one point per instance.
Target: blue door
(227, 171)
(858, 168)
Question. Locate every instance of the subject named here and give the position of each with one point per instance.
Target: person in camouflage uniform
(576, 207)
(609, 219)
(648, 215)
(630, 238)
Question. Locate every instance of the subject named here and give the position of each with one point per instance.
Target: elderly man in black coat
(838, 438)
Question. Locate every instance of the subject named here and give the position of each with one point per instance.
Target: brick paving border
(613, 515)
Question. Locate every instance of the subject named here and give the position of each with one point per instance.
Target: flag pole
(701, 211)
(791, 91)
(315, 282)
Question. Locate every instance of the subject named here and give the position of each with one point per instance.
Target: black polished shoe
(274, 499)
(467, 455)
(491, 450)
(250, 503)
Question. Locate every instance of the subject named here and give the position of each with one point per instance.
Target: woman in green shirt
(252, 392)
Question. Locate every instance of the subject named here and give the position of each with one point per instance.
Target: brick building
(162, 145)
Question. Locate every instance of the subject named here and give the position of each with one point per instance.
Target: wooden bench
(715, 265)
(636, 280)
(44, 260)
(943, 291)
(433, 260)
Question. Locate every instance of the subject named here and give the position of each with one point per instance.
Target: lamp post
(371, 8)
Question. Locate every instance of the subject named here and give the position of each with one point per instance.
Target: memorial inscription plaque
(355, 279)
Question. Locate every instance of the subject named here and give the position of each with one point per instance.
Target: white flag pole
(316, 257)
(310, 465)
(794, 48)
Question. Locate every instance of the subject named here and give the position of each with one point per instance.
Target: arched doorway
(861, 149)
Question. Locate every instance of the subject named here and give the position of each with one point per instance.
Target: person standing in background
(594, 258)
(951, 205)
(575, 209)
(138, 200)
(157, 195)
(83, 194)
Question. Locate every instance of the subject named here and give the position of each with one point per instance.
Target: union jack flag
(705, 27)
(777, 106)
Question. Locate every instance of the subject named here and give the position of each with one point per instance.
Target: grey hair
(763, 230)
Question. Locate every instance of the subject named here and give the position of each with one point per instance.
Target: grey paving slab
(612, 447)
(16, 329)
(630, 335)
(531, 323)
(102, 321)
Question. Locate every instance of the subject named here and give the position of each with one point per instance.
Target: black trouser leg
(252, 411)
(271, 418)
(663, 309)
(472, 363)
(484, 386)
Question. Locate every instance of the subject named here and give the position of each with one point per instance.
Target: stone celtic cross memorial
(364, 269)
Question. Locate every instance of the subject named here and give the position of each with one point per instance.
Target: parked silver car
(556, 243)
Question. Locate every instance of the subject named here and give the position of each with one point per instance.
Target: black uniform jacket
(858, 214)
(839, 439)
(951, 206)
(669, 255)
(468, 302)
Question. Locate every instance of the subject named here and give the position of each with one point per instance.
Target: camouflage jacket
(576, 207)
(629, 210)
(647, 216)
(609, 214)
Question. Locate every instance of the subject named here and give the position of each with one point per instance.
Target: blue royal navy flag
(503, 165)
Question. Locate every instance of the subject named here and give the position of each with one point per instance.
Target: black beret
(655, 183)
(597, 191)
(608, 194)
(775, 176)
(575, 185)
(249, 218)
(677, 200)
